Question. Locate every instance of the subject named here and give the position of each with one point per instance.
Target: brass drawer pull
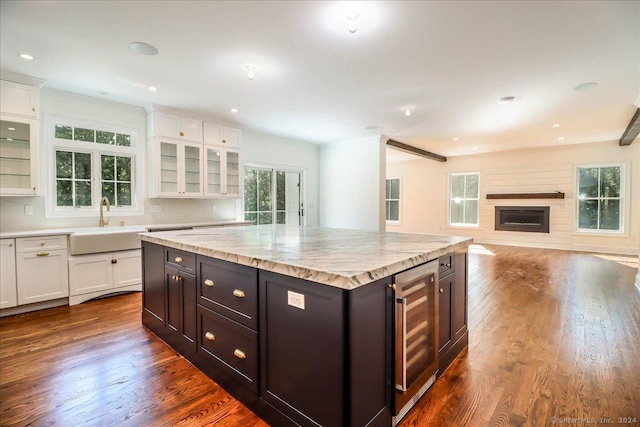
(239, 354)
(178, 259)
(209, 282)
(42, 243)
(448, 265)
(210, 336)
(181, 133)
(42, 254)
(238, 293)
(176, 278)
(441, 291)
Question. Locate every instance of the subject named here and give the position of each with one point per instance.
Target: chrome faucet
(104, 201)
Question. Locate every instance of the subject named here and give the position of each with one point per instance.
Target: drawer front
(35, 244)
(446, 264)
(229, 289)
(230, 343)
(181, 260)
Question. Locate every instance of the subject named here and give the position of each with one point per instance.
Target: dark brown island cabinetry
(296, 352)
(453, 332)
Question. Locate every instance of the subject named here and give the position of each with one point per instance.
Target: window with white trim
(600, 198)
(464, 198)
(89, 163)
(392, 201)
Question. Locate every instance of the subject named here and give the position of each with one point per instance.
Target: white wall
(424, 194)
(351, 185)
(269, 150)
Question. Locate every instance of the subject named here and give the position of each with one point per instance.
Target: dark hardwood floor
(552, 334)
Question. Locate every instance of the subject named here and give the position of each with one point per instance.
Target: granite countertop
(115, 228)
(345, 259)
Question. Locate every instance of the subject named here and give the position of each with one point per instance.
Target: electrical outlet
(156, 209)
(28, 210)
(295, 299)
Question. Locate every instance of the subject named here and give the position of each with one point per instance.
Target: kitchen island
(297, 322)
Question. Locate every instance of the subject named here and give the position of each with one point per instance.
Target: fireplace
(532, 219)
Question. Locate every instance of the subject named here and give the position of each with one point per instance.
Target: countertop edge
(322, 277)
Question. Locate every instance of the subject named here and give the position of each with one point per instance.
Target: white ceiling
(449, 61)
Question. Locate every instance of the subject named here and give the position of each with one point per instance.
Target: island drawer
(446, 263)
(181, 260)
(229, 289)
(230, 345)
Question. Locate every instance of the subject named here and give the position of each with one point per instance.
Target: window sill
(599, 233)
(94, 213)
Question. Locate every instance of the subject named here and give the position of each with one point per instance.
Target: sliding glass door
(273, 196)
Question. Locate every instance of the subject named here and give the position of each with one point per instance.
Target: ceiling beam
(416, 151)
(633, 130)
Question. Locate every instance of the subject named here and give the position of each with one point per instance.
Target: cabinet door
(127, 268)
(19, 99)
(459, 296)
(444, 307)
(18, 156)
(8, 293)
(212, 134)
(181, 310)
(231, 137)
(177, 127)
(90, 273)
(192, 170)
(213, 172)
(169, 173)
(232, 175)
(42, 276)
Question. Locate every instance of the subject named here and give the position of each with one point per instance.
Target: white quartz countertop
(345, 259)
(114, 229)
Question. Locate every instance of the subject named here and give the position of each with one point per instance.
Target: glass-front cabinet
(18, 156)
(222, 172)
(179, 169)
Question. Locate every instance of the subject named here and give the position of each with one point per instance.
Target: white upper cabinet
(16, 98)
(176, 127)
(222, 172)
(221, 136)
(19, 161)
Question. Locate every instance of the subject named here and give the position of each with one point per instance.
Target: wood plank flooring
(552, 334)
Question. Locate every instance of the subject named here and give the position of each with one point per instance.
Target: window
(392, 201)
(90, 163)
(600, 201)
(464, 195)
(272, 196)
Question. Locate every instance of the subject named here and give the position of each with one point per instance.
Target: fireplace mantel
(556, 195)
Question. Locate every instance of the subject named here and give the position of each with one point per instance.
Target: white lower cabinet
(100, 274)
(41, 267)
(8, 290)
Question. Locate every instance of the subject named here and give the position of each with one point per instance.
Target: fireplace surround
(530, 219)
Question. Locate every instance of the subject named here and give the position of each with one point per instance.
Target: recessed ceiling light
(250, 74)
(372, 127)
(153, 88)
(561, 138)
(456, 139)
(352, 20)
(585, 86)
(474, 148)
(9, 139)
(11, 128)
(234, 110)
(26, 56)
(143, 48)
(407, 113)
(506, 99)
(556, 125)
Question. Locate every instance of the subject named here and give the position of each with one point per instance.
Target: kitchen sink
(105, 239)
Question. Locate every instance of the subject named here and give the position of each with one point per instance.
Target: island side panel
(153, 288)
(302, 349)
(371, 357)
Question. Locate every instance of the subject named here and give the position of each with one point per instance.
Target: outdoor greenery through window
(392, 200)
(464, 195)
(91, 164)
(600, 198)
(272, 196)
